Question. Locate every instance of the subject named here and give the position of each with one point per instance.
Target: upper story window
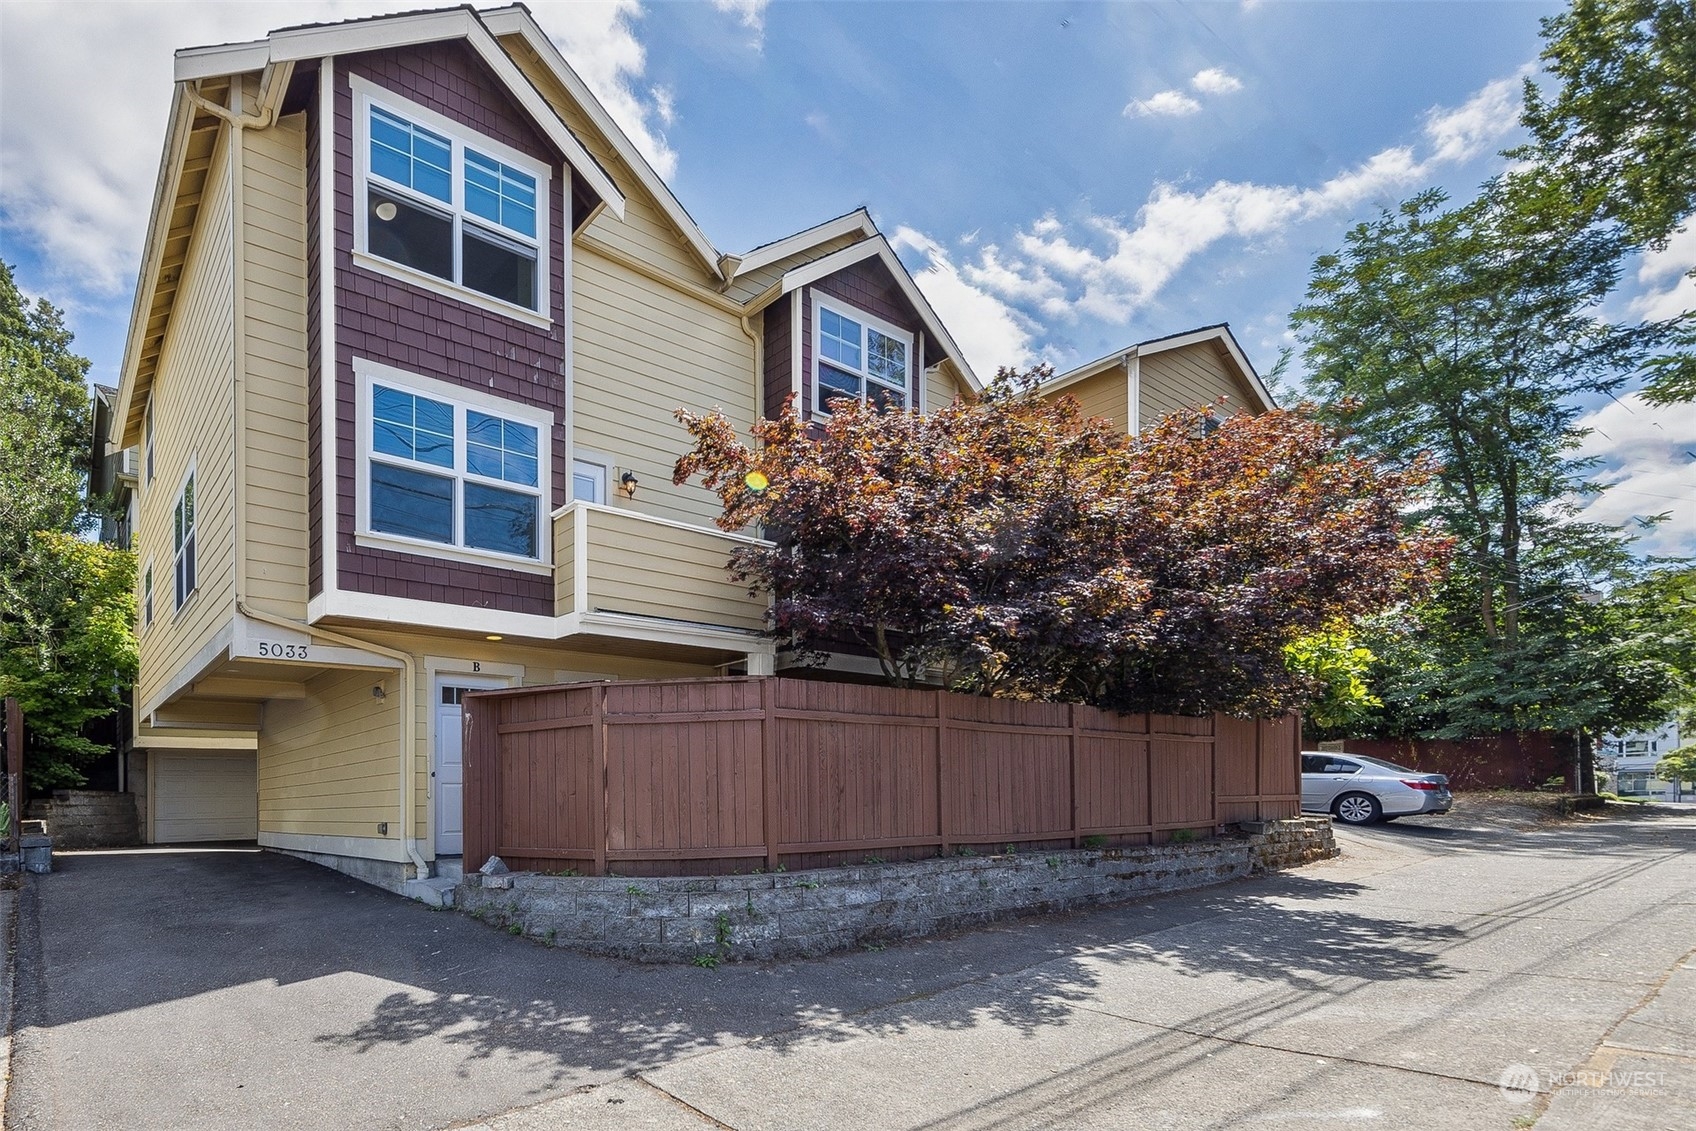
(859, 357)
(147, 595)
(448, 206)
(183, 527)
(451, 471)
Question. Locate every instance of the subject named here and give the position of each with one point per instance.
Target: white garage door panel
(205, 797)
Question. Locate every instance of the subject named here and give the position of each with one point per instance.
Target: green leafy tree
(67, 644)
(1019, 549)
(1679, 765)
(1462, 335)
(1618, 135)
(1336, 663)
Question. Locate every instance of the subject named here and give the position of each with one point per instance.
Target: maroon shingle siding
(868, 286)
(779, 355)
(385, 320)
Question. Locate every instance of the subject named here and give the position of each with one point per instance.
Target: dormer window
(859, 357)
(448, 208)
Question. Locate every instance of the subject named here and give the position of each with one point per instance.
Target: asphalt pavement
(1436, 975)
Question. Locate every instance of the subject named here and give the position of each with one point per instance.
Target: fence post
(941, 777)
(1072, 747)
(768, 759)
(598, 749)
(14, 769)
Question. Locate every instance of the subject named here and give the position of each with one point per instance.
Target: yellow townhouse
(413, 319)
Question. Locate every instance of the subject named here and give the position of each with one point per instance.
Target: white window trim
(147, 443)
(591, 461)
(182, 602)
(366, 372)
(147, 594)
(366, 94)
(870, 321)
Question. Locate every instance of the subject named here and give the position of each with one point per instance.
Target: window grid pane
(411, 155)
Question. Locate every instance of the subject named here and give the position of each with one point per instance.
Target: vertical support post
(769, 803)
(942, 829)
(14, 769)
(598, 744)
(1072, 747)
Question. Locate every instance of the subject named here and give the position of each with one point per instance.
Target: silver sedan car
(1358, 790)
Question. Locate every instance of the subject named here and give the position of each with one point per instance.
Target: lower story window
(438, 469)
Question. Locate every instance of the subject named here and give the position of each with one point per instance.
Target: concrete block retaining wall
(788, 914)
(88, 818)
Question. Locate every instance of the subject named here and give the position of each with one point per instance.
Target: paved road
(1392, 988)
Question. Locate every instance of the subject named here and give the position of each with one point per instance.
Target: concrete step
(437, 892)
(450, 867)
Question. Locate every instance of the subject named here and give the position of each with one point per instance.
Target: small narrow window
(147, 595)
(588, 481)
(147, 442)
(184, 525)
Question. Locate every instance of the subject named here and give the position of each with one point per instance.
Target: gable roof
(766, 254)
(1219, 333)
(875, 247)
(314, 41)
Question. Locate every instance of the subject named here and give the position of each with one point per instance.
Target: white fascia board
(159, 226)
(1222, 335)
(878, 246)
(858, 220)
(517, 20)
(658, 631)
(194, 63)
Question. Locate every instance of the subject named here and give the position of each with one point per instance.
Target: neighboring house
(1631, 759)
(1138, 385)
(112, 473)
(413, 320)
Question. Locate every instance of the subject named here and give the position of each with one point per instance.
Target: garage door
(205, 797)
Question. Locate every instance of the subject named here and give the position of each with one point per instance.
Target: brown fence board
(661, 776)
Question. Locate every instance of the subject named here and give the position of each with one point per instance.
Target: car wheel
(1357, 809)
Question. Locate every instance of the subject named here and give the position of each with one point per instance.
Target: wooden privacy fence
(702, 775)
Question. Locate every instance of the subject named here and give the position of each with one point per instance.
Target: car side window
(1312, 765)
(1336, 766)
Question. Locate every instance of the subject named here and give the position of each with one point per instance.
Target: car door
(1336, 775)
(1312, 765)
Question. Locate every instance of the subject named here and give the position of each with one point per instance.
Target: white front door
(447, 766)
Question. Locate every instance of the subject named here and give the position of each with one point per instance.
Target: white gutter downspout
(273, 82)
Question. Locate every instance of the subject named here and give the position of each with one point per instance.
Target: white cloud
(988, 331)
(751, 14)
(1670, 290)
(1462, 133)
(78, 158)
(1166, 104)
(1216, 80)
(1106, 267)
(1650, 456)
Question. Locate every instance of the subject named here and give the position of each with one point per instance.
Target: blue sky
(1063, 178)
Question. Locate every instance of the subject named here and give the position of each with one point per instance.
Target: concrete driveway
(1393, 987)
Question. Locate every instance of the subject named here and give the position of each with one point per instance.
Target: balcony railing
(616, 561)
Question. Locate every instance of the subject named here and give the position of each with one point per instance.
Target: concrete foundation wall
(715, 918)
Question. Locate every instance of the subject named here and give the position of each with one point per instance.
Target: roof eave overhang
(126, 418)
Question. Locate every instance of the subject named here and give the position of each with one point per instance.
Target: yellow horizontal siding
(1188, 378)
(1106, 395)
(327, 762)
(655, 570)
(275, 448)
(640, 352)
(193, 413)
(565, 565)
